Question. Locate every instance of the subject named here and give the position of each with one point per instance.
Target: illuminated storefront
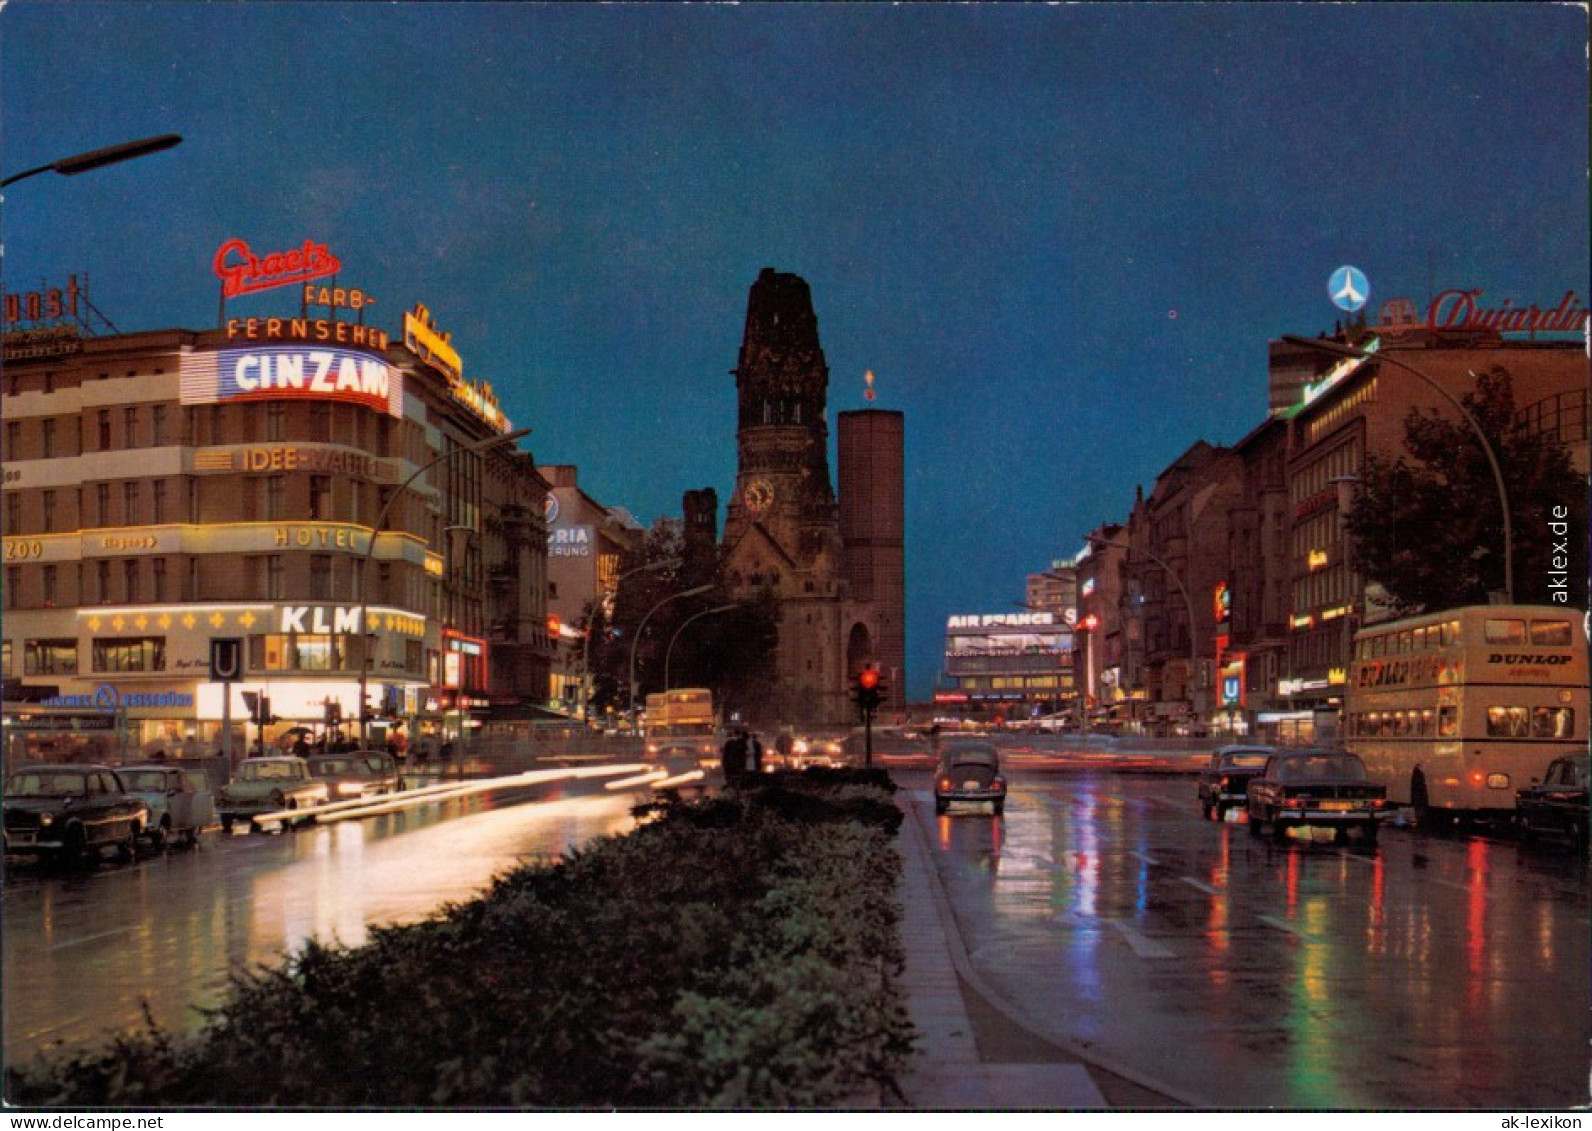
(164, 489)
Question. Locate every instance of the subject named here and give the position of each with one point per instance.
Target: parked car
(266, 785)
(1316, 789)
(71, 812)
(181, 804)
(1557, 806)
(969, 772)
(360, 773)
(1224, 782)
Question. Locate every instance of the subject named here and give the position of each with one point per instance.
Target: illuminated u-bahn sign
(292, 373)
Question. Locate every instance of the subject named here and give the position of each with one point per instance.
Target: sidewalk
(959, 1065)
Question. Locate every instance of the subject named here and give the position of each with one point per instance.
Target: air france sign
(292, 372)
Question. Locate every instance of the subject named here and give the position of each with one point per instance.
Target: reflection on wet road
(84, 950)
(1432, 972)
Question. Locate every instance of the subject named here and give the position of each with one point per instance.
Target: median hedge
(739, 951)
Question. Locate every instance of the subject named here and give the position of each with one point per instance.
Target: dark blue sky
(1060, 236)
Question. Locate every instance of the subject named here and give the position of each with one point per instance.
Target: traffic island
(742, 951)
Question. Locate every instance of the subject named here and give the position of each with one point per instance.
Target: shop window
(49, 657)
(130, 654)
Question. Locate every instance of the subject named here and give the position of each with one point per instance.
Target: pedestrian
(445, 754)
(733, 757)
(754, 755)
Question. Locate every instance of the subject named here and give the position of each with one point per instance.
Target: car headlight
(45, 820)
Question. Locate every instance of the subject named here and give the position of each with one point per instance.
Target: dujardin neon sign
(1459, 310)
(242, 272)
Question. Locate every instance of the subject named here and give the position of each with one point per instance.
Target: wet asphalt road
(84, 948)
(1432, 972)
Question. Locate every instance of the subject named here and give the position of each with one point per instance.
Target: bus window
(1507, 722)
(1406, 640)
(1551, 633)
(1447, 722)
(1377, 645)
(1553, 722)
(1497, 630)
(1451, 633)
(1428, 723)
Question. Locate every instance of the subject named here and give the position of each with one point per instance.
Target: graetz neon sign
(242, 272)
(1457, 310)
(292, 373)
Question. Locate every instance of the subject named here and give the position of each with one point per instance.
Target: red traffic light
(868, 678)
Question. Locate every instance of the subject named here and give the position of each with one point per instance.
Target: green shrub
(740, 951)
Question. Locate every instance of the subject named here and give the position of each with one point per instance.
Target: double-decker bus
(1454, 711)
(681, 717)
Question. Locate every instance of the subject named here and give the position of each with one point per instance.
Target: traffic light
(868, 691)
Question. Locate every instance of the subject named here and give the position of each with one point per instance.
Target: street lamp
(637, 640)
(99, 158)
(370, 550)
(585, 643)
(1188, 602)
(669, 652)
(1340, 349)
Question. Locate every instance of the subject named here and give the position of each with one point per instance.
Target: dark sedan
(969, 772)
(1224, 782)
(1557, 806)
(71, 811)
(1316, 789)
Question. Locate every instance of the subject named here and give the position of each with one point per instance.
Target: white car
(181, 805)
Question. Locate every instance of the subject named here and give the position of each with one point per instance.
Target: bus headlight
(1497, 781)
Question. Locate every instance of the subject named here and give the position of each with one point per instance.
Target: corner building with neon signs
(168, 488)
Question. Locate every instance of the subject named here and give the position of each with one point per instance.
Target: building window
(14, 513)
(275, 416)
(103, 578)
(321, 422)
(102, 501)
(274, 494)
(193, 499)
(321, 577)
(130, 503)
(49, 512)
(160, 501)
(104, 429)
(157, 569)
(130, 426)
(13, 585)
(130, 654)
(49, 586)
(13, 439)
(194, 589)
(320, 497)
(130, 579)
(49, 657)
(49, 439)
(157, 435)
(275, 578)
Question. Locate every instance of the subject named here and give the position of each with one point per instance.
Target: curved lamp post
(637, 641)
(1339, 349)
(99, 158)
(669, 652)
(370, 550)
(1188, 602)
(585, 642)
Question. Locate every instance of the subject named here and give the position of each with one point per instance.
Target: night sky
(1059, 236)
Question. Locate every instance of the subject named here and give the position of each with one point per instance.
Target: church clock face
(759, 495)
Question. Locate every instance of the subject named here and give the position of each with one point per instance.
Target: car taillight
(998, 783)
(1225, 783)
(1378, 802)
(945, 783)
(1296, 802)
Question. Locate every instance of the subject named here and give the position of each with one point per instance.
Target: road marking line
(1357, 856)
(1206, 888)
(1142, 856)
(1142, 945)
(1451, 884)
(92, 938)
